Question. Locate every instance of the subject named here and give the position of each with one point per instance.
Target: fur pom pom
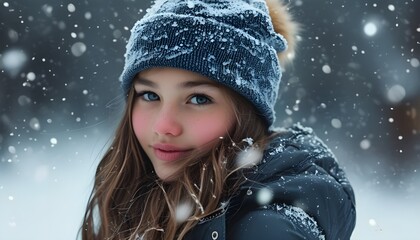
(285, 25)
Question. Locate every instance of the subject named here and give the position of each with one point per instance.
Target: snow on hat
(229, 41)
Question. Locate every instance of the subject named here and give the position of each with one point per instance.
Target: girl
(196, 155)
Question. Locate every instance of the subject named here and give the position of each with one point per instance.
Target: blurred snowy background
(355, 80)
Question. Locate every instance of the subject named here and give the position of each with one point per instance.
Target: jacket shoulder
(296, 150)
(299, 170)
(275, 222)
(298, 138)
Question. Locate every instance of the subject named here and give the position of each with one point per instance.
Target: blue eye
(200, 100)
(148, 96)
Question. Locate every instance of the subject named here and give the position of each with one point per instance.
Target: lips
(167, 152)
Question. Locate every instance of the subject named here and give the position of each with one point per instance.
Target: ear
(284, 24)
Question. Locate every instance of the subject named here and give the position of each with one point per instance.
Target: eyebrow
(145, 82)
(187, 84)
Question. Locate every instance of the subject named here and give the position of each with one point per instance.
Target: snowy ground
(44, 198)
(386, 214)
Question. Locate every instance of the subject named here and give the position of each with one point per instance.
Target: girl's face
(175, 112)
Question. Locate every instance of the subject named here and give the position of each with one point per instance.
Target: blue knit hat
(229, 41)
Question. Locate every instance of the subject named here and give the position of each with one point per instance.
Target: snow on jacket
(298, 191)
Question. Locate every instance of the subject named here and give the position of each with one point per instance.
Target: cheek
(211, 127)
(140, 123)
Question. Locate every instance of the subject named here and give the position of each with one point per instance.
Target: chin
(166, 177)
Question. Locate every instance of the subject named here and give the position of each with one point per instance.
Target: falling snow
(370, 29)
(354, 80)
(53, 141)
(78, 49)
(248, 158)
(183, 211)
(264, 196)
(326, 69)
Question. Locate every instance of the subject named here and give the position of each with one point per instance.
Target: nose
(168, 122)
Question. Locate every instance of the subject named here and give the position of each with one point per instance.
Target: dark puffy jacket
(298, 191)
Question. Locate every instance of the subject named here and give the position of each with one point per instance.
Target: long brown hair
(129, 201)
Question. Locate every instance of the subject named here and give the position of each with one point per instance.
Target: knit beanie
(232, 42)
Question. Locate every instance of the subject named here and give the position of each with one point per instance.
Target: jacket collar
(212, 227)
